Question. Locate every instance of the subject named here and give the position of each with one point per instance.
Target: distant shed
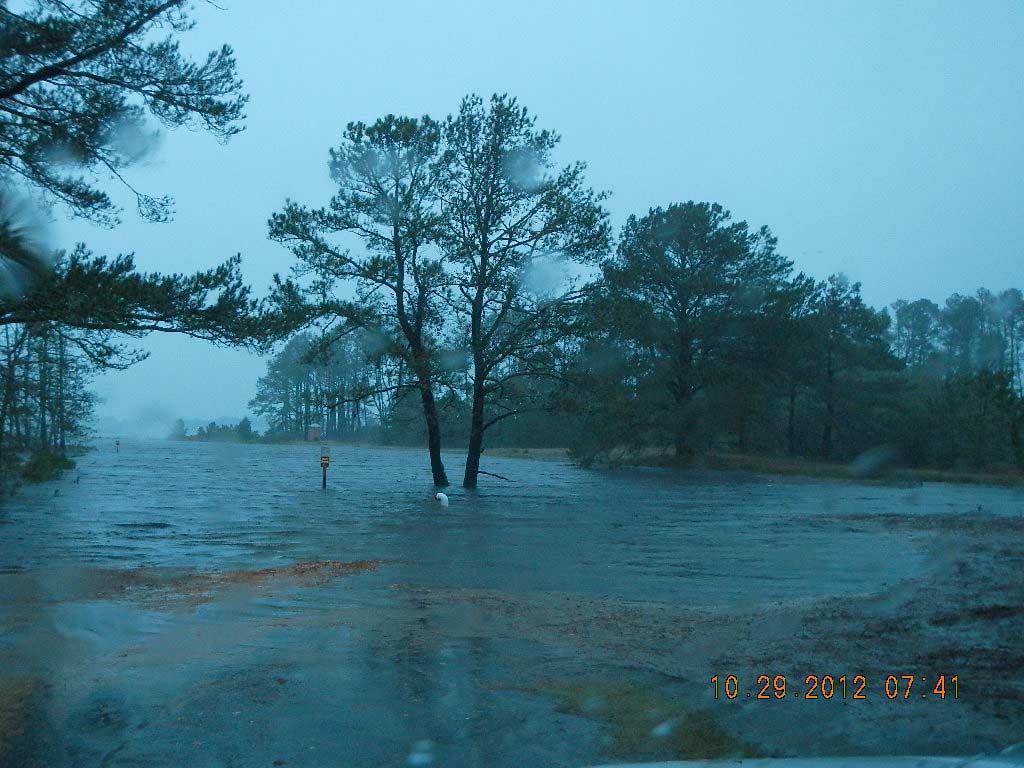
(313, 432)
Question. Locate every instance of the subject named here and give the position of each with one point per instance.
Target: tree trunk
(683, 442)
(303, 411)
(478, 344)
(743, 430)
(1016, 438)
(11, 360)
(43, 396)
(826, 432)
(476, 435)
(5, 407)
(61, 414)
(830, 409)
(791, 424)
(680, 444)
(433, 434)
(981, 432)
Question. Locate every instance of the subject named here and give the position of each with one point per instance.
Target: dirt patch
(161, 589)
(962, 614)
(310, 573)
(540, 454)
(201, 588)
(645, 724)
(622, 629)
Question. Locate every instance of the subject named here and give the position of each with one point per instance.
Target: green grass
(773, 465)
(541, 454)
(760, 464)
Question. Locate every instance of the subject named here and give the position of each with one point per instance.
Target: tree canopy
(78, 80)
(510, 214)
(387, 197)
(477, 271)
(85, 86)
(682, 291)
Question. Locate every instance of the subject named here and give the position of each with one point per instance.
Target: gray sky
(882, 140)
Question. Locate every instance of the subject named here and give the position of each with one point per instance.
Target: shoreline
(777, 467)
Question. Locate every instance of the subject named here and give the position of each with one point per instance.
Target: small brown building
(313, 432)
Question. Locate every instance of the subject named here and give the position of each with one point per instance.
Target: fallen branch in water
(491, 474)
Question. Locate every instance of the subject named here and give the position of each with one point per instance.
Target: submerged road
(209, 605)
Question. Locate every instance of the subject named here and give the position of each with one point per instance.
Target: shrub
(44, 465)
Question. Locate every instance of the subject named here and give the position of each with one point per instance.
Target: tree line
(242, 432)
(461, 284)
(309, 383)
(84, 88)
(486, 276)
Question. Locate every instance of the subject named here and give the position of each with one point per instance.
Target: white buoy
(443, 498)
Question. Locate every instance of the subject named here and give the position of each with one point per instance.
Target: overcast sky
(883, 140)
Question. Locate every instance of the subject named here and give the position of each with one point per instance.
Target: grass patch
(645, 724)
(542, 454)
(784, 466)
(775, 465)
(44, 465)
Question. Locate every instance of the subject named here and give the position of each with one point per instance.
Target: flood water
(124, 599)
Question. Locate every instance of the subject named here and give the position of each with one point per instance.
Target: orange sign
(325, 461)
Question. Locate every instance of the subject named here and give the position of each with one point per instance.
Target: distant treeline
(45, 404)
(941, 385)
(309, 382)
(458, 285)
(242, 432)
(491, 299)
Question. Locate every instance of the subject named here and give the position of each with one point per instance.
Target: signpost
(325, 462)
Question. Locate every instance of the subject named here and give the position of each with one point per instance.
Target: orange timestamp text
(841, 687)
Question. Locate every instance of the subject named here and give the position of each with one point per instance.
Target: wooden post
(325, 462)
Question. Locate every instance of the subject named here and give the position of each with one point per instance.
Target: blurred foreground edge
(1012, 758)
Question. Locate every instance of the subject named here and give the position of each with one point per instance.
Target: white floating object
(664, 730)
(443, 498)
(423, 750)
